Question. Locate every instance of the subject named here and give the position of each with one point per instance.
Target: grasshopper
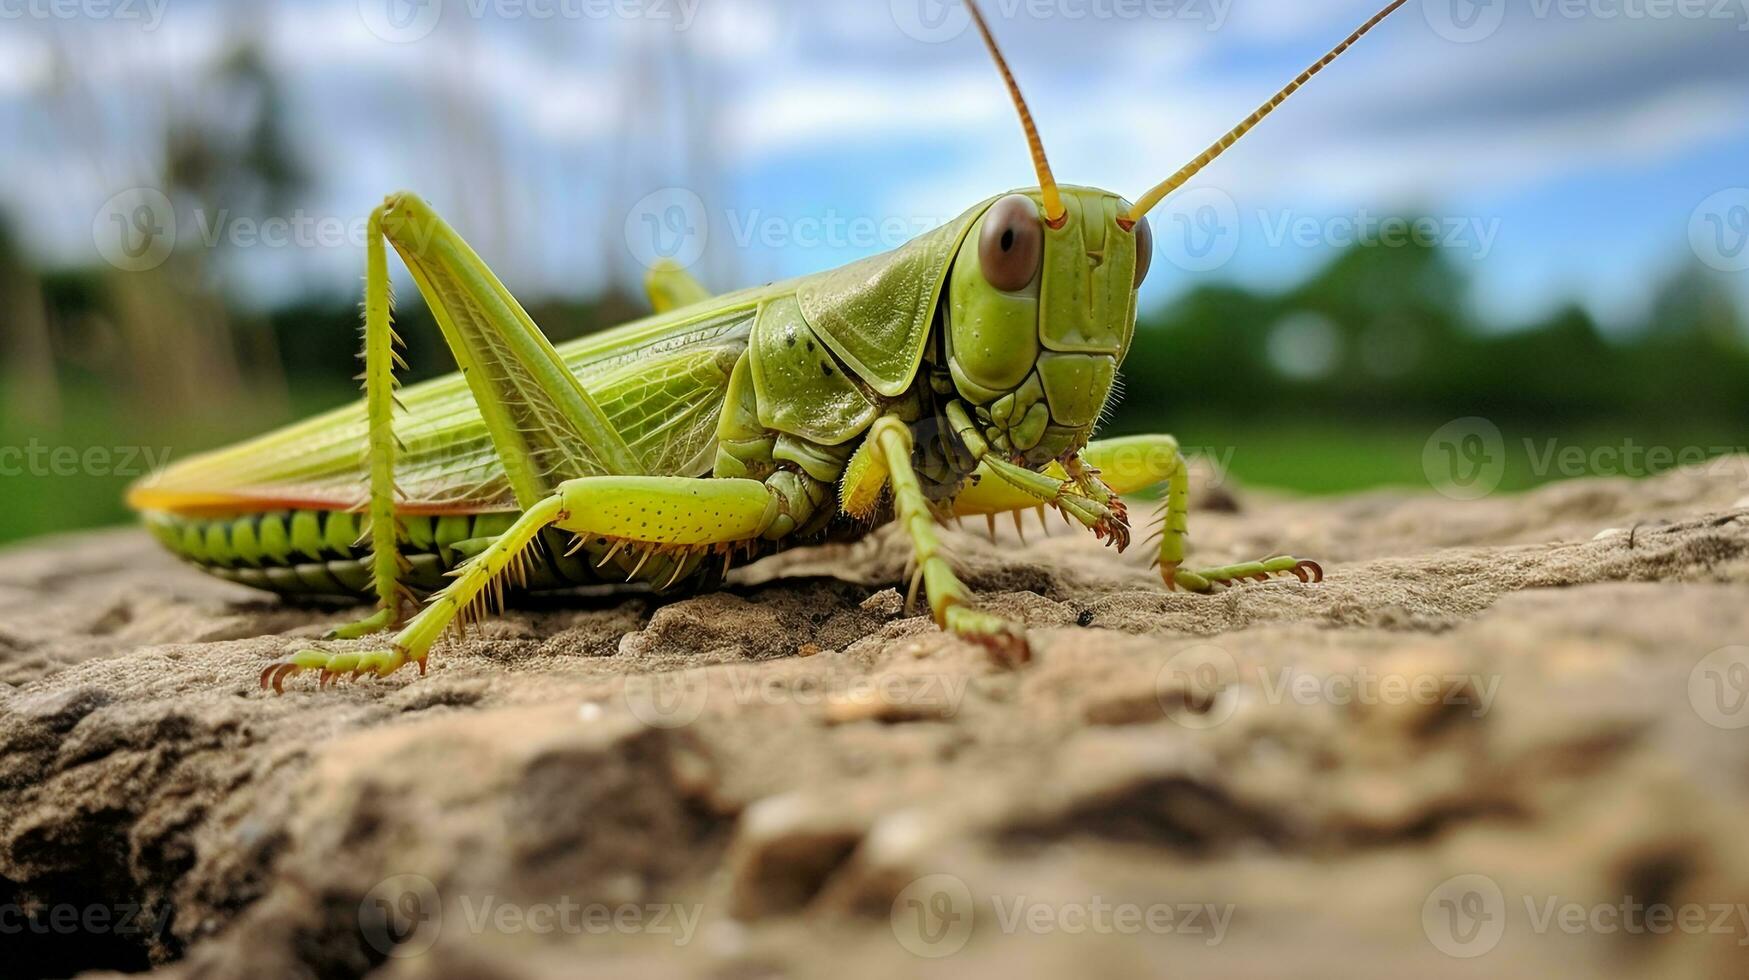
(961, 374)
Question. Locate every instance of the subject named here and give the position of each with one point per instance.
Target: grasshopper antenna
(1177, 180)
(1055, 212)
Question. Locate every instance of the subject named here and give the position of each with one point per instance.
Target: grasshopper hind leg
(544, 426)
(388, 568)
(413, 643)
(683, 519)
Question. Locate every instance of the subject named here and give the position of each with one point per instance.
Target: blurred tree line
(1387, 333)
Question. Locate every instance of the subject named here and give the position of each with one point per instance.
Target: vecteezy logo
(135, 230)
(400, 21)
(1465, 916)
(1192, 686)
(1718, 688)
(401, 916)
(1464, 21)
(1197, 230)
(667, 225)
(931, 21)
(668, 699)
(1465, 459)
(1718, 231)
(933, 916)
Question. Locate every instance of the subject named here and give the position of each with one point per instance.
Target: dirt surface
(1505, 737)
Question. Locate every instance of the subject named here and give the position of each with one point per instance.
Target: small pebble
(887, 602)
(727, 939)
(844, 709)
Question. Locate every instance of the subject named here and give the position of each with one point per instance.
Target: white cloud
(770, 120)
(25, 64)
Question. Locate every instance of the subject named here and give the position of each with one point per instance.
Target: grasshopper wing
(660, 382)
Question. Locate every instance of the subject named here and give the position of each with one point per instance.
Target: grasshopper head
(1042, 295)
(1040, 315)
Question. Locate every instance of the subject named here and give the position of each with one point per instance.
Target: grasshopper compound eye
(1144, 249)
(1012, 243)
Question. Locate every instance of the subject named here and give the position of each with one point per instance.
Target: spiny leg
(1137, 463)
(998, 486)
(414, 641)
(544, 426)
(677, 516)
(949, 600)
(381, 357)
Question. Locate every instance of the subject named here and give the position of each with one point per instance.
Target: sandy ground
(1506, 737)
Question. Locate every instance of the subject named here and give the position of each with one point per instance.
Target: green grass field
(72, 474)
(1321, 456)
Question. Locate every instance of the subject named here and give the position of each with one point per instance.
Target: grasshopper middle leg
(1137, 463)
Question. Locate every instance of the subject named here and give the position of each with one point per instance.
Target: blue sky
(1563, 147)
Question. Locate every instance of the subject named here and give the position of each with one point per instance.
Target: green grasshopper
(961, 374)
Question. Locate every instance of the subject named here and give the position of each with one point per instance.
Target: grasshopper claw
(275, 674)
(331, 667)
(1005, 642)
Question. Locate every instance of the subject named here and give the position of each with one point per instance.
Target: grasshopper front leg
(998, 486)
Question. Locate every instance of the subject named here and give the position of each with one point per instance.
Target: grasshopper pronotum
(961, 374)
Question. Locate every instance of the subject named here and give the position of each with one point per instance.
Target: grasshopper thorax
(1039, 316)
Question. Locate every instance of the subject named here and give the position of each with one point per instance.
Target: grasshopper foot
(331, 666)
(1005, 641)
(1205, 580)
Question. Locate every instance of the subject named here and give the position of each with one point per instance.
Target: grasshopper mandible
(961, 374)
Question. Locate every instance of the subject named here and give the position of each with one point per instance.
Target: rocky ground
(1505, 737)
